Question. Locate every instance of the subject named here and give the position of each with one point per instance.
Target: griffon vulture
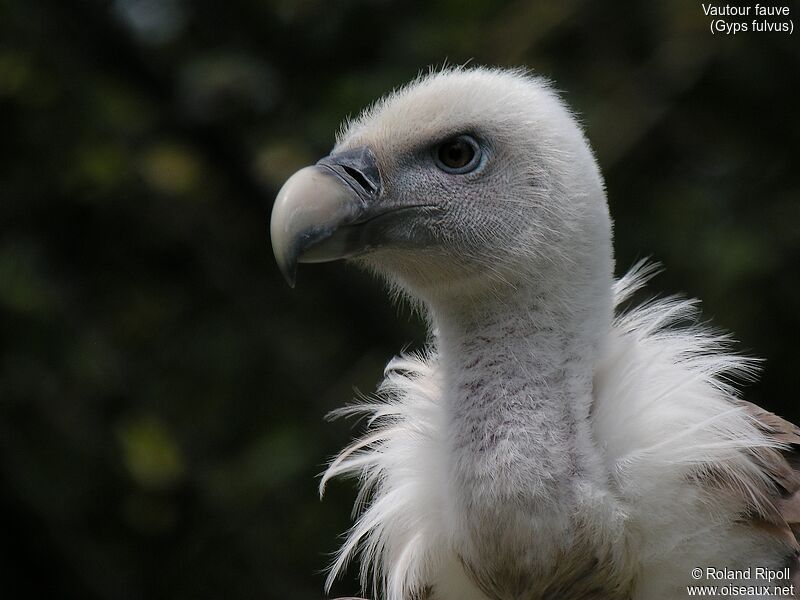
(547, 444)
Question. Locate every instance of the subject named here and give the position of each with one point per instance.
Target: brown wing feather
(782, 517)
(783, 466)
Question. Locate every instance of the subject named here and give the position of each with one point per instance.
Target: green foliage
(162, 391)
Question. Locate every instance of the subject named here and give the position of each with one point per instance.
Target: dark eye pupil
(456, 153)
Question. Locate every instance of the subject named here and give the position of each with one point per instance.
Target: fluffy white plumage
(663, 412)
(544, 447)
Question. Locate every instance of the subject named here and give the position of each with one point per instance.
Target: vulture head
(463, 184)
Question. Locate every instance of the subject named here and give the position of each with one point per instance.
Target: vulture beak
(323, 212)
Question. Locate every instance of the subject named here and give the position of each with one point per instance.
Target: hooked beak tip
(287, 263)
(290, 275)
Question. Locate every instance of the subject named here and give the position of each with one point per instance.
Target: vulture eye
(460, 154)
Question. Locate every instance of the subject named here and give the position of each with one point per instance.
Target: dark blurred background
(162, 390)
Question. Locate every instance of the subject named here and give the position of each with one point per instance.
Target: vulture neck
(517, 376)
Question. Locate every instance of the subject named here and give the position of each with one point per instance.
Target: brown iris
(458, 154)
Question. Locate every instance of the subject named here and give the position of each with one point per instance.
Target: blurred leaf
(150, 452)
(23, 287)
(170, 169)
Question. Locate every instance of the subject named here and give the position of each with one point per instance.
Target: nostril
(359, 177)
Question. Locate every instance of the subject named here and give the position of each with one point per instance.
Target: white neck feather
(518, 377)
